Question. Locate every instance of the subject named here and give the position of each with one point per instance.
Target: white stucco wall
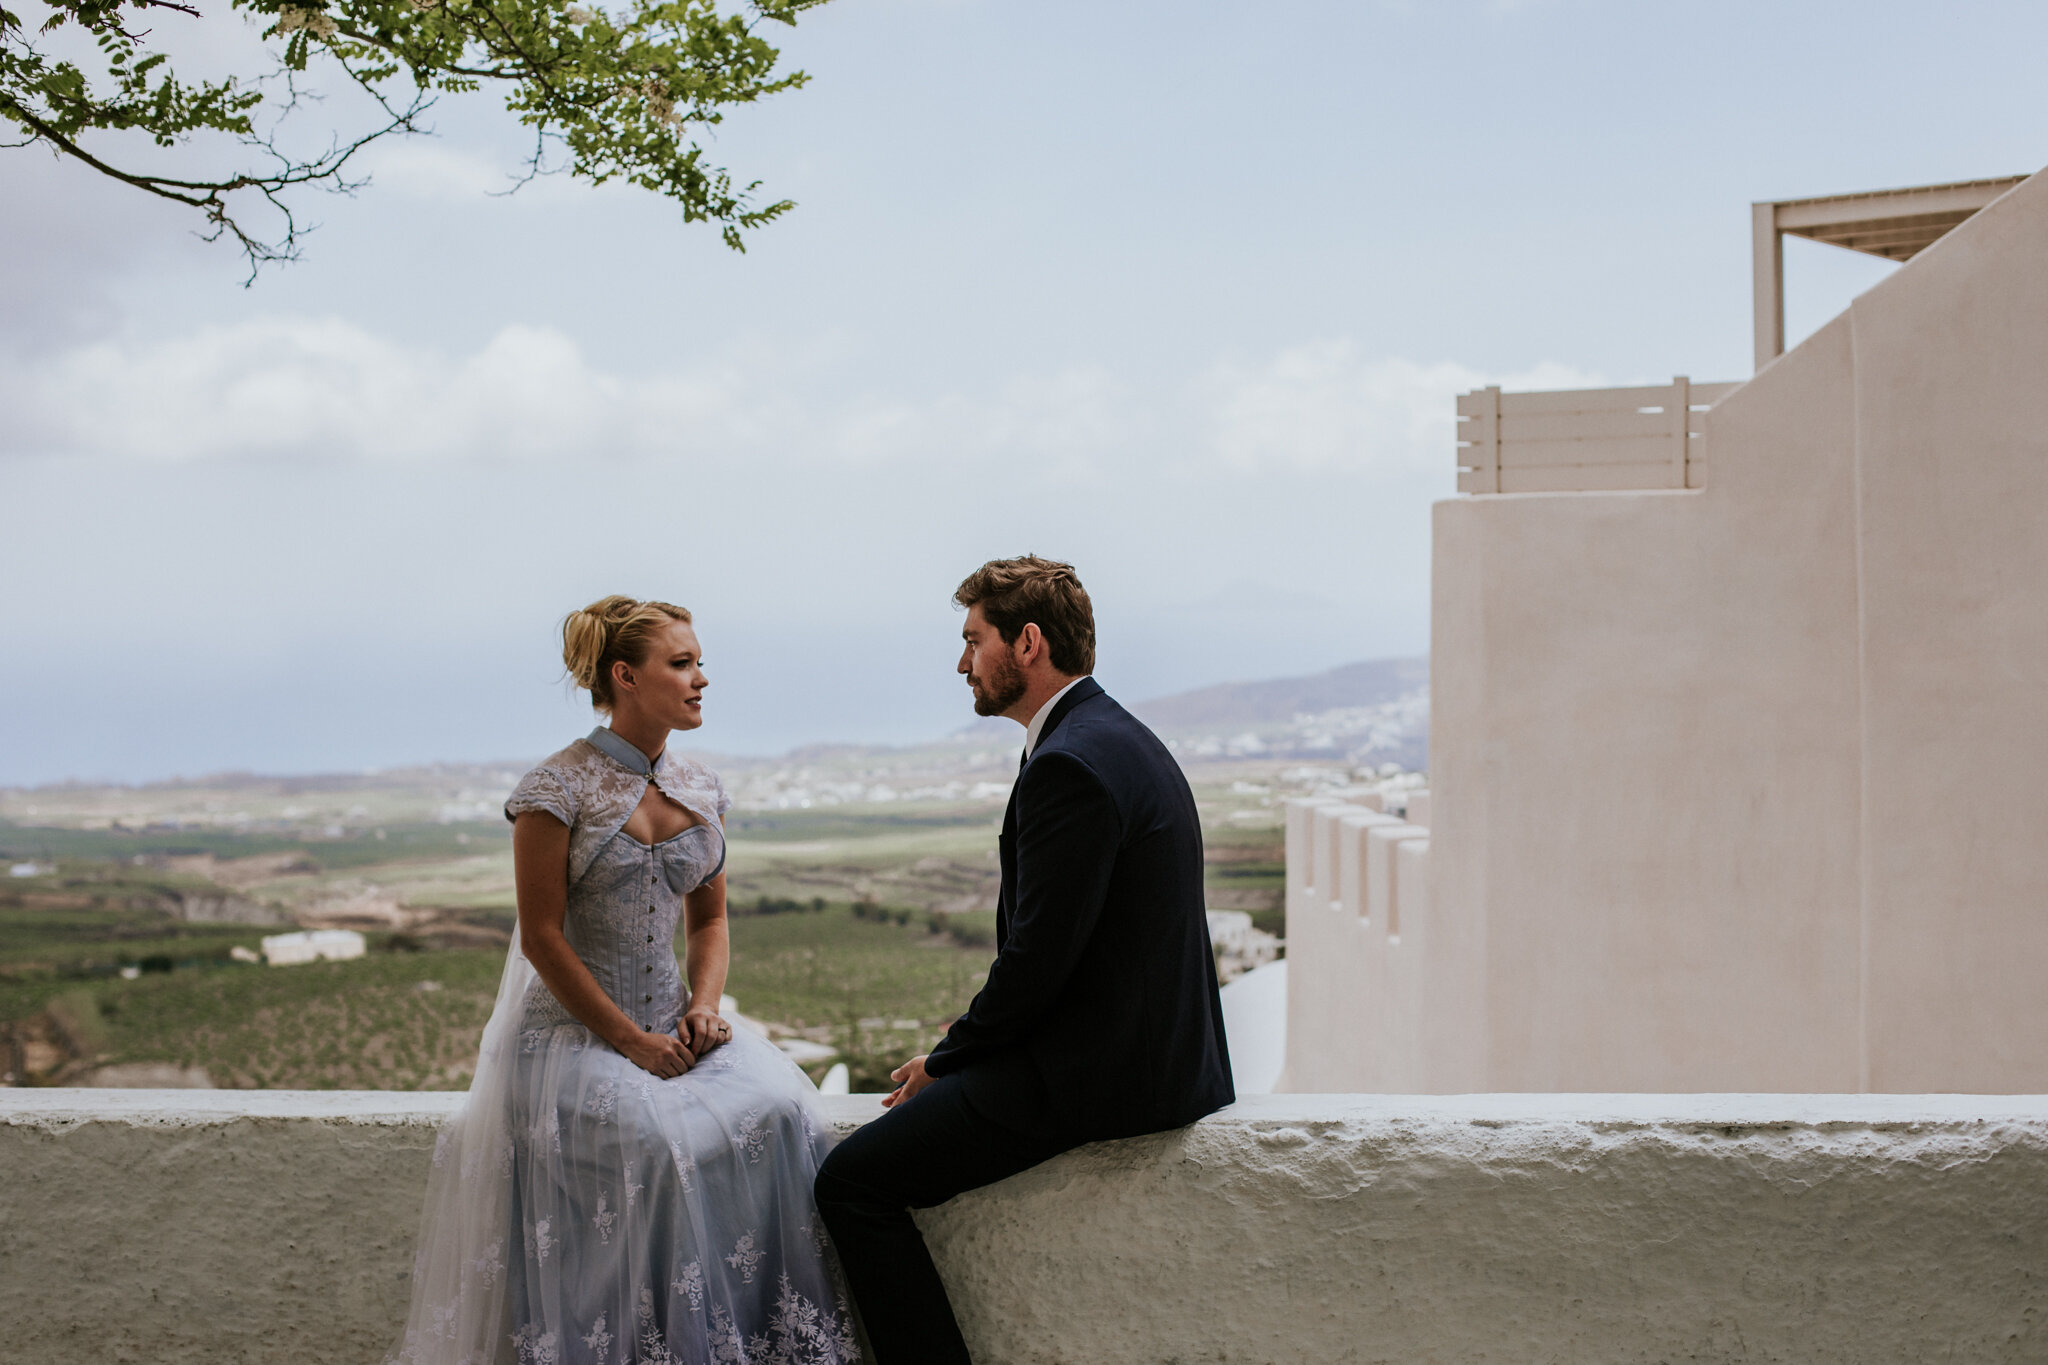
(222, 1227)
(1255, 1025)
(1740, 788)
(1358, 928)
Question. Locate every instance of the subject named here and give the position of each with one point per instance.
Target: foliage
(357, 848)
(370, 1023)
(868, 908)
(765, 904)
(609, 93)
(364, 1024)
(806, 826)
(808, 971)
(968, 928)
(879, 990)
(97, 918)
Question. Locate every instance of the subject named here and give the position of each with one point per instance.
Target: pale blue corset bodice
(621, 922)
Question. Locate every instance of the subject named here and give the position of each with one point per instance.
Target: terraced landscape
(862, 913)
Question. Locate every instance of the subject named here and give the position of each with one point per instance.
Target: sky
(1181, 293)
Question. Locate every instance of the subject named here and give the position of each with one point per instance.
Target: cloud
(1325, 405)
(325, 387)
(438, 172)
(295, 387)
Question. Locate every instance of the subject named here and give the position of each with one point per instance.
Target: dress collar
(621, 751)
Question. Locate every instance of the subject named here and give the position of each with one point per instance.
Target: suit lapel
(1006, 861)
(1007, 845)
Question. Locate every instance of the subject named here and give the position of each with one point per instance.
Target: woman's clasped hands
(668, 1055)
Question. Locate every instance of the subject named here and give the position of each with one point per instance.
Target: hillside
(1365, 714)
(1278, 701)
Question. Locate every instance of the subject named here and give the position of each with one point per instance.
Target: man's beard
(999, 688)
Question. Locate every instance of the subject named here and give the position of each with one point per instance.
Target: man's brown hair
(1014, 593)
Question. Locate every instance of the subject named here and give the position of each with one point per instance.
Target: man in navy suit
(1100, 1017)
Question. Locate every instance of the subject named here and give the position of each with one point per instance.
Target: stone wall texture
(180, 1226)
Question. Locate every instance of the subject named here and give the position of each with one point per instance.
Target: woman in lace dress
(629, 1181)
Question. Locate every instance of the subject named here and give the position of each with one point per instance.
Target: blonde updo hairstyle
(612, 630)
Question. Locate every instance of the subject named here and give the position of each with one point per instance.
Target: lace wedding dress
(581, 1211)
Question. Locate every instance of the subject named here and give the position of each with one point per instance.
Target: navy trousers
(915, 1156)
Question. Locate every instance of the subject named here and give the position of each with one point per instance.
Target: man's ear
(1030, 644)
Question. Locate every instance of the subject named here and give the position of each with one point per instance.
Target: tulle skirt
(666, 1222)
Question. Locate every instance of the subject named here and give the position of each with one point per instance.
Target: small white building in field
(335, 945)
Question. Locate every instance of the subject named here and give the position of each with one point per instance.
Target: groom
(1099, 1018)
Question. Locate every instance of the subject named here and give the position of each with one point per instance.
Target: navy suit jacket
(1100, 1017)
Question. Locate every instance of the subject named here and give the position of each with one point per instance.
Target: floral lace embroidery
(798, 1333)
(725, 1339)
(848, 1339)
(594, 794)
(630, 898)
(604, 1097)
(745, 1257)
(487, 1266)
(691, 1284)
(686, 1165)
(751, 1138)
(538, 1242)
(536, 1347)
(653, 1350)
(604, 1220)
(598, 1339)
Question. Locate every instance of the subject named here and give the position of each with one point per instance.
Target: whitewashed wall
(1359, 934)
(224, 1227)
(1738, 787)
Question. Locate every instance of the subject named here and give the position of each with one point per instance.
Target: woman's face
(666, 687)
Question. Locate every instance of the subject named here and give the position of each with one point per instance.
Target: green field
(131, 879)
(411, 1020)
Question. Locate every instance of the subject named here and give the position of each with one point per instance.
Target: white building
(312, 945)
(1739, 716)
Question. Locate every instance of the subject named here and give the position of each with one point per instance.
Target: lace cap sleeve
(720, 798)
(543, 790)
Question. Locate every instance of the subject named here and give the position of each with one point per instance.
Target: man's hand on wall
(910, 1078)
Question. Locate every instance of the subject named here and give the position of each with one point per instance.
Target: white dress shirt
(1038, 721)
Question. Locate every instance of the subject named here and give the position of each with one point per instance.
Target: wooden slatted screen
(1583, 440)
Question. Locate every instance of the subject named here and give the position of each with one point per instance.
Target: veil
(458, 1314)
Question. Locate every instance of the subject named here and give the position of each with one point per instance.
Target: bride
(628, 1181)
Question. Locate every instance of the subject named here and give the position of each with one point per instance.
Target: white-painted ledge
(225, 1226)
(59, 1108)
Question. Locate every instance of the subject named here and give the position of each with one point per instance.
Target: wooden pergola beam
(1894, 224)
